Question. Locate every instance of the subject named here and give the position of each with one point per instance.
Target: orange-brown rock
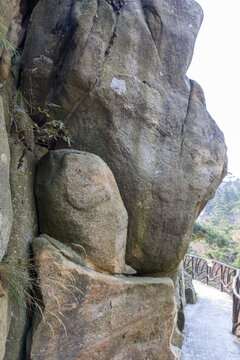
(93, 316)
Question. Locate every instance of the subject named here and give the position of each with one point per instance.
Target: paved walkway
(207, 329)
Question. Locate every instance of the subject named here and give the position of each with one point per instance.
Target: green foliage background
(217, 231)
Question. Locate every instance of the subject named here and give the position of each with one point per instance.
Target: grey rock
(10, 28)
(24, 127)
(190, 293)
(119, 77)
(22, 180)
(8, 10)
(180, 287)
(79, 204)
(181, 303)
(15, 36)
(177, 339)
(6, 214)
(90, 315)
(4, 322)
(24, 228)
(180, 320)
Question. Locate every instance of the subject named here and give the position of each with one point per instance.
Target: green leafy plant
(212, 234)
(237, 260)
(217, 231)
(51, 129)
(46, 130)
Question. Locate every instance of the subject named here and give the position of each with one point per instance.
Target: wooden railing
(236, 303)
(226, 278)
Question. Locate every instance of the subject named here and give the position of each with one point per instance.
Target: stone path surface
(207, 329)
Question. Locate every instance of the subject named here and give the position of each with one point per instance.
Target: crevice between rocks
(186, 117)
(35, 309)
(71, 45)
(117, 6)
(21, 160)
(112, 39)
(148, 8)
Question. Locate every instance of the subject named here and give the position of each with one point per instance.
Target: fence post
(192, 267)
(221, 276)
(207, 273)
(234, 310)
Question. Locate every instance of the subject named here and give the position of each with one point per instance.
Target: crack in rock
(116, 5)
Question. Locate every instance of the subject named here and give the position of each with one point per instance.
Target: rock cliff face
(98, 316)
(146, 156)
(119, 79)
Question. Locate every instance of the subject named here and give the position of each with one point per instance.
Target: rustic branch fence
(226, 278)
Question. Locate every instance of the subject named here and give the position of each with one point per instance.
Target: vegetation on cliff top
(217, 231)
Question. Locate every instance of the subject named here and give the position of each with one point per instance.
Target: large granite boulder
(117, 71)
(79, 204)
(90, 315)
(5, 192)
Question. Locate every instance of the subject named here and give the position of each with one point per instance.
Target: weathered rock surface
(89, 315)
(24, 126)
(17, 326)
(190, 292)
(117, 72)
(24, 228)
(181, 303)
(5, 193)
(118, 75)
(15, 38)
(4, 321)
(22, 179)
(8, 10)
(180, 288)
(11, 29)
(177, 341)
(79, 204)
